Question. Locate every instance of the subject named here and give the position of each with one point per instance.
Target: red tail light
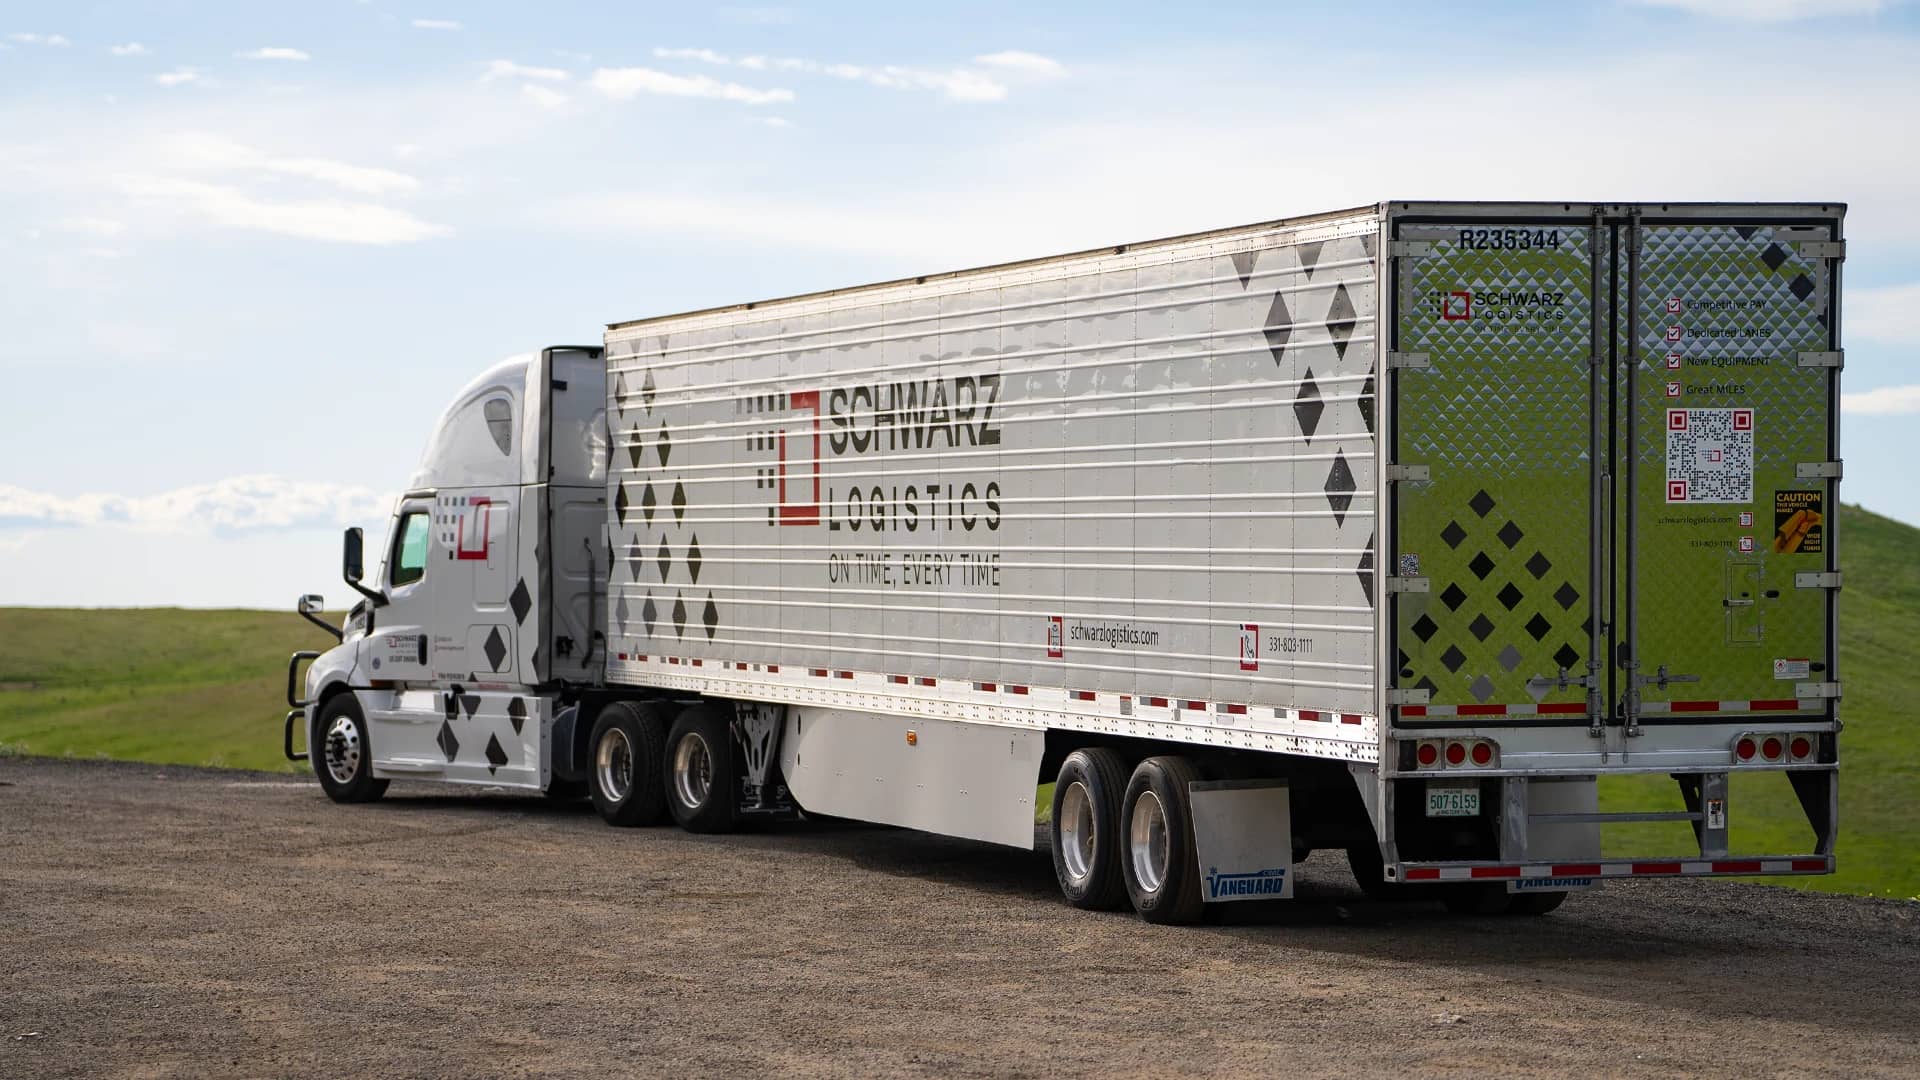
(1482, 753)
(1744, 749)
(1427, 754)
(1801, 747)
(1456, 753)
(1770, 749)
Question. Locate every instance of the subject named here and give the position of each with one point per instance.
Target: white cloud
(705, 56)
(544, 96)
(56, 41)
(1772, 10)
(1883, 401)
(308, 219)
(273, 52)
(177, 77)
(958, 84)
(435, 24)
(900, 231)
(236, 504)
(131, 48)
(1025, 63)
(91, 226)
(507, 69)
(622, 84)
(1883, 314)
(203, 151)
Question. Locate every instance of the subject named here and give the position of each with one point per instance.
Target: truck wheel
(1156, 819)
(1086, 829)
(1370, 874)
(344, 758)
(628, 747)
(699, 774)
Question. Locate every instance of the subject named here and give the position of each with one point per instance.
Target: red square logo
(1673, 389)
(1249, 647)
(1056, 637)
(1676, 491)
(1746, 519)
(1675, 333)
(1676, 419)
(1673, 361)
(1675, 306)
(1458, 306)
(1743, 419)
(1746, 543)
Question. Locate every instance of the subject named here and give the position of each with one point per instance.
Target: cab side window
(410, 549)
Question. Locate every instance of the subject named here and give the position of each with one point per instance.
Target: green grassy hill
(206, 687)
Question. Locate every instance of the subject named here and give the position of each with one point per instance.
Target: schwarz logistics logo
(1269, 882)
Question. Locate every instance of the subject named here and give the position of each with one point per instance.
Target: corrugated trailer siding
(1095, 473)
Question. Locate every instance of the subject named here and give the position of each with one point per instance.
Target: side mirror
(312, 604)
(353, 558)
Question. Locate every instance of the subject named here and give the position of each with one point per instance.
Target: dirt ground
(165, 921)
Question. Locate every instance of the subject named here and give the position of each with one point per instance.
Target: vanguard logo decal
(1269, 882)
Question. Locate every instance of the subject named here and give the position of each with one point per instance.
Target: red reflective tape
(1309, 714)
(698, 663)
(923, 681)
(1737, 866)
(818, 673)
(1773, 704)
(1421, 873)
(845, 674)
(1083, 695)
(1016, 690)
(623, 656)
(1480, 710)
(1237, 710)
(1199, 706)
(1578, 869)
(1810, 864)
(1156, 702)
(1656, 868)
(773, 669)
(1563, 708)
(1413, 710)
(986, 686)
(1694, 706)
(642, 659)
(900, 679)
(673, 660)
(1352, 718)
(1494, 872)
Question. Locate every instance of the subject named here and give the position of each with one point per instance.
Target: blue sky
(247, 251)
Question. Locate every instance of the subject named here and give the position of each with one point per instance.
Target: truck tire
(343, 757)
(1086, 829)
(1370, 874)
(627, 748)
(1156, 823)
(699, 771)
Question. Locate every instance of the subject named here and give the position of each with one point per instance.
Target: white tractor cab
(480, 626)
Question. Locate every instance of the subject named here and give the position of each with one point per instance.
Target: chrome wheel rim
(692, 770)
(613, 765)
(1148, 847)
(1076, 832)
(343, 749)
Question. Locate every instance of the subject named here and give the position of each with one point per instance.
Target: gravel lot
(166, 921)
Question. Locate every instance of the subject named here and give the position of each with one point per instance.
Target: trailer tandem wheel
(1086, 829)
(629, 746)
(1156, 820)
(699, 771)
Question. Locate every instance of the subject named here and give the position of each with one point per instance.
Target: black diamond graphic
(1341, 320)
(1538, 626)
(1366, 403)
(1453, 534)
(646, 390)
(1279, 327)
(693, 558)
(1309, 254)
(496, 754)
(620, 390)
(1365, 571)
(521, 601)
(710, 617)
(1565, 656)
(620, 610)
(665, 446)
(664, 558)
(1745, 232)
(470, 703)
(1453, 658)
(1566, 595)
(1307, 406)
(1802, 287)
(1243, 265)
(449, 744)
(1510, 534)
(495, 648)
(679, 501)
(1773, 256)
(517, 712)
(635, 560)
(1481, 566)
(636, 447)
(1511, 596)
(1538, 565)
(1426, 684)
(1481, 626)
(1453, 597)
(1481, 502)
(1367, 244)
(679, 617)
(452, 706)
(1339, 488)
(1424, 628)
(648, 502)
(649, 613)
(620, 504)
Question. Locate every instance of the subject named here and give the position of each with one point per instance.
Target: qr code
(1709, 455)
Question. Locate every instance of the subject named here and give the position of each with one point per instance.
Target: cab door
(398, 650)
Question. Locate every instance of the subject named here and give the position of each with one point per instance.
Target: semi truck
(1394, 530)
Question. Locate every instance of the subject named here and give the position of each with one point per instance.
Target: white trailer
(1391, 530)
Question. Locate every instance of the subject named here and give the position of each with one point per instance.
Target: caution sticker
(1799, 522)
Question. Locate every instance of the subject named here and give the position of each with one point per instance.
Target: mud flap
(1243, 840)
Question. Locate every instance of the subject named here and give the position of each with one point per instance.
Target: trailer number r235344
(1509, 239)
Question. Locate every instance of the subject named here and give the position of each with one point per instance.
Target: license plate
(1453, 801)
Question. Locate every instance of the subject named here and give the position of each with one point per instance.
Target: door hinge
(1409, 472)
(1814, 579)
(1410, 249)
(1396, 696)
(1816, 470)
(1408, 361)
(1835, 358)
(1810, 690)
(1397, 584)
(1822, 249)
